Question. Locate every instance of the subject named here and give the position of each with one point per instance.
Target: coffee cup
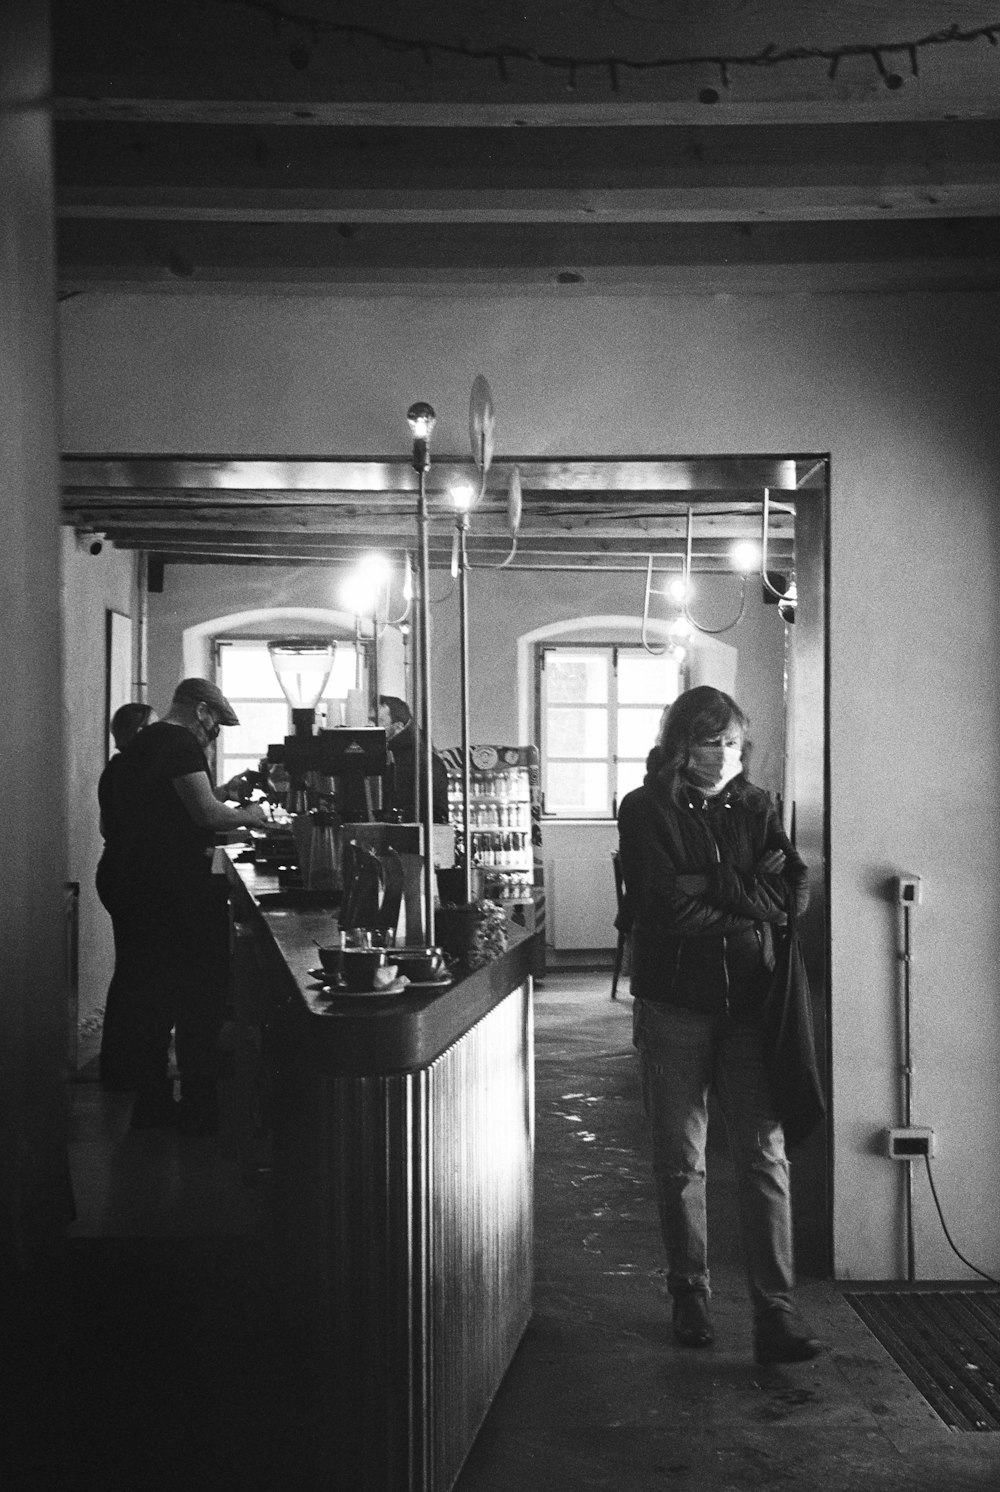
(330, 959)
(359, 966)
(420, 965)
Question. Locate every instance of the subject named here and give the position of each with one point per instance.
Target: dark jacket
(711, 952)
(401, 774)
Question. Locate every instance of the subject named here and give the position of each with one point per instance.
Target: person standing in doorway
(709, 873)
(172, 910)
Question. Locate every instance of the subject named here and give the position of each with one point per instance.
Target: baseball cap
(203, 691)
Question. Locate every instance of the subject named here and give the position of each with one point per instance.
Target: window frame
(612, 651)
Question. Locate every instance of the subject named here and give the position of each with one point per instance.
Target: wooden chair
(393, 878)
(623, 921)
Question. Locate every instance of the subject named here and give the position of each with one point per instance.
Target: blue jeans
(683, 1054)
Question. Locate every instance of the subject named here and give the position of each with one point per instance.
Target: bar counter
(402, 1155)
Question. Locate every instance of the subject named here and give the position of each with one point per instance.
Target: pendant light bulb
(745, 557)
(421, 419)
(462, 496)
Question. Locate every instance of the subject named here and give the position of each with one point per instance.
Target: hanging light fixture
(747, 558)
(421, 420)
(786, 597)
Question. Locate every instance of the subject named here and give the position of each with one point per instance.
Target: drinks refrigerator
(505, 813)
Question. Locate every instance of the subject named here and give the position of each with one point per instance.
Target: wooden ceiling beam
(154, 534)
(232, 479)
(481, 176)
(233, 550)
(575, 511)
(866, 102)
(934, 196)
(660, 257)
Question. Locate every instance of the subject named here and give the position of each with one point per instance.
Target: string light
(316, 28)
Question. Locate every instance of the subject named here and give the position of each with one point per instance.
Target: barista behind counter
(404, 763)
(165, 816)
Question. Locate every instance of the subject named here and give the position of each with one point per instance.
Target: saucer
(442, 981)
(338, 991)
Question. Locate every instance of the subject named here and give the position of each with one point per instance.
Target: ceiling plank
(482, 176)
(942, 196)
(676, 257)
(233, 551)
(232, 478)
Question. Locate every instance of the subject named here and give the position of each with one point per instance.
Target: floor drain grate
(947, 1342)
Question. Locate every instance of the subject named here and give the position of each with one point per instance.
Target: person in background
(172, 910)
(708, 873)
(116, 1063)
(404, 763)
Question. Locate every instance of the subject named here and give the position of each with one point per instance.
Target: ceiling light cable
(316, 28)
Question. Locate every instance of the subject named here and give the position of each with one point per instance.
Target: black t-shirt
(160, 853)
(105, 797)
(105, 869)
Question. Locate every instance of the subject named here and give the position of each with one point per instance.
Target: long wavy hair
(128, 720)
(696, 715)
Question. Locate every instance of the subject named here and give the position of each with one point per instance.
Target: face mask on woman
(713, 763)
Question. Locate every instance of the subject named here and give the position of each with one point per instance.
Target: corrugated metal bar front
(403, 1210)
(482, 1262)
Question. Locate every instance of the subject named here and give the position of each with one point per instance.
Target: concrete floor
(146, 1361)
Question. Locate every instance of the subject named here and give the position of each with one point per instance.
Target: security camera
(92, 543)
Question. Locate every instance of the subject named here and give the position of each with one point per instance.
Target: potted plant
(471, 933)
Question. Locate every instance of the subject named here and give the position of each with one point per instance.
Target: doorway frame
(807, 686)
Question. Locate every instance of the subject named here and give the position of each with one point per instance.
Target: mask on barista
(713, 763)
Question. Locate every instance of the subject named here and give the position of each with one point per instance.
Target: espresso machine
(333, 776)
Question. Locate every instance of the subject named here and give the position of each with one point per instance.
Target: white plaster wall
(35, 1200)
(903, 392)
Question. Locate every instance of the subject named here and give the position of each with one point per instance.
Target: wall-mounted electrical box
(909, 891)
(910, 1142)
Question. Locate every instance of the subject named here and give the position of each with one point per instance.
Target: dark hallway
(150, 1356)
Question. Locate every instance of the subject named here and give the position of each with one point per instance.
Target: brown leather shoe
(779, 1338)
(692, 1323)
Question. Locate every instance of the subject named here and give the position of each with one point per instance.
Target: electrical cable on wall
(911, 1141)
(955, 1250)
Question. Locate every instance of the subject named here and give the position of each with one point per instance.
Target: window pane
(576, 678)
(577, 733)
(245, 672)
(260, 725)
(643, 679)
(637, 731)
(630, 775)
(577, 789)
(230, 766)
(342, 674)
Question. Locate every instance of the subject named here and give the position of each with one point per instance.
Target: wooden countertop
(376, 1035)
